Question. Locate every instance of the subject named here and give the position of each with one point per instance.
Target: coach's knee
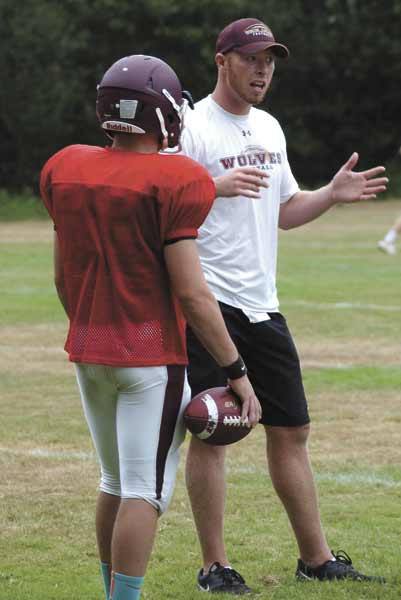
(288, 436)
(201, 455)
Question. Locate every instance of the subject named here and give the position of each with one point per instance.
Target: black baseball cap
(248, 36)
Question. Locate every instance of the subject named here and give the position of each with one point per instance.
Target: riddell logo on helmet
(256, 30)
(120, 127)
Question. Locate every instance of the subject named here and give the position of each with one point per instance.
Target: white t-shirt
(238, 240)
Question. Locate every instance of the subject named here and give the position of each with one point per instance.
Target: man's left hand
(349, 186)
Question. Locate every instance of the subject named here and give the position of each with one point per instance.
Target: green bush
(339, 92)
(20, 207)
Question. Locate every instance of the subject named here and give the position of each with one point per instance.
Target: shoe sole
(208, 590)
(302, 577)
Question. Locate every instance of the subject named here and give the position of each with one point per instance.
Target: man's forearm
(305, 206)
(205, 319)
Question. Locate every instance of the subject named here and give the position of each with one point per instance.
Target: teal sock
(124, 587)
(106, 574)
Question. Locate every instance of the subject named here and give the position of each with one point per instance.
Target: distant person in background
(127, 272)
(244, 149)
(388, 243)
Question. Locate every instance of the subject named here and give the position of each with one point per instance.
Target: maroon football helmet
(142, 94)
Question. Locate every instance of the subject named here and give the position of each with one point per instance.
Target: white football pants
(135, 417)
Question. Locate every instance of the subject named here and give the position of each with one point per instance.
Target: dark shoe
(222, 580)
(340, 568)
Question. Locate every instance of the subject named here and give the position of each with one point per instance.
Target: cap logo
(259, 29)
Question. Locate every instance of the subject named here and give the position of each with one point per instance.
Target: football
(214, 416)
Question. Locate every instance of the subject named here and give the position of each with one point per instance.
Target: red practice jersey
(114, 211)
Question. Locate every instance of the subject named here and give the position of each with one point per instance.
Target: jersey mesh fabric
(113, 212)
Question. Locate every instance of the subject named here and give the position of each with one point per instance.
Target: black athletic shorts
(272, 361)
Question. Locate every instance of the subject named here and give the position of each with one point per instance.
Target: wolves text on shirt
(261, 159)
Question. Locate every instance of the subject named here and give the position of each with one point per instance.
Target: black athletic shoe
(222, 580)
(340, 568)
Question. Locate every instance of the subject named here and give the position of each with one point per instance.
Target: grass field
(341, 298)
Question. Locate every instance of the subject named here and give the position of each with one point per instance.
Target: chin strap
(188, 97)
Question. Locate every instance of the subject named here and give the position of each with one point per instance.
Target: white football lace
(232, 421)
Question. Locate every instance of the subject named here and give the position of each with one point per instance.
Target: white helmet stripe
(212, 417)
(171, 100)
(162, 123)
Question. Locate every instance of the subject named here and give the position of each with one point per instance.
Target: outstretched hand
(242, 181)
(349, 186)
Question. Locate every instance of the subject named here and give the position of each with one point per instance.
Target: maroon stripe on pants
(171, 408)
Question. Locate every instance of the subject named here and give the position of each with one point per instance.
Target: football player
(128, 275)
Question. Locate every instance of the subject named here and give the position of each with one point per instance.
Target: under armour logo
(246, 132)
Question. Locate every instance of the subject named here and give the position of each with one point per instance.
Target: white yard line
(369, 479)
(362, 479)
(342, 305)
(45, 453)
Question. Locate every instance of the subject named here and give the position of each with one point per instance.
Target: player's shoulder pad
(73, 151)
(179, 172)
(183, 165)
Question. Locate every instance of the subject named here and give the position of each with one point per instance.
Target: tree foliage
(339, 92)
